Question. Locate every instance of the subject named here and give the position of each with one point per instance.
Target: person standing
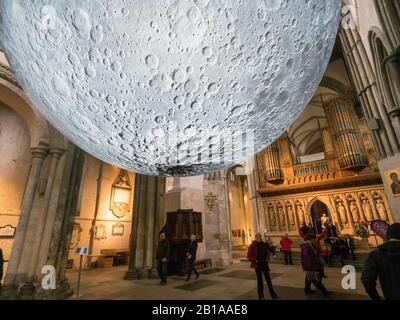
(271, 246)
(338, 248)
(286, 246)
(191, 258)
(163, 251)
(350, 246)
(304, 230)
(258, 255)
(332, 233)
(384, 264)
(311, 261)
(1, 265)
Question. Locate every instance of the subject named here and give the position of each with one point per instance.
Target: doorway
(318, 209)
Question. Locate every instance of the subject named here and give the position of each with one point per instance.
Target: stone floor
(236, 282)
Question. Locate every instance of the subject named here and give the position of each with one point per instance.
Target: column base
(63, 291)
(139, 274)
(134, 274)
(27, 292)
(152, 273)
(34, 291)
(8, 292)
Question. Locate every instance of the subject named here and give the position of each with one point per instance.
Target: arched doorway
(318, 209)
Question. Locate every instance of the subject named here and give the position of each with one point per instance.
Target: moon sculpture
(169, 87)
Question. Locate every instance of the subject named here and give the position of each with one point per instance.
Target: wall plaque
(7, 232)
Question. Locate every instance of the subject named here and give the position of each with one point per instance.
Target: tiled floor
(236, 282)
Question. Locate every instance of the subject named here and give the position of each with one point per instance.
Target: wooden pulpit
(179, 228)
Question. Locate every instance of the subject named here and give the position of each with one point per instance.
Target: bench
(203, 262)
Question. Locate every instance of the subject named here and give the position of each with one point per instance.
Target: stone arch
(324, 200)
(15, 98)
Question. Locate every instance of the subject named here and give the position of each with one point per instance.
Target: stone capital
(57, 152)
(39, 152)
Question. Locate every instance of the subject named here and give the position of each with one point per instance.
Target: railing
(312, 167)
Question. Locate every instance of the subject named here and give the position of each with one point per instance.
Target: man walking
(191, 258)
(384, 264)
(286, 246)
(162, 258)
(258, 255)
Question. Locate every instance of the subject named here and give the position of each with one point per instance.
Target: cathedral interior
(340, 159)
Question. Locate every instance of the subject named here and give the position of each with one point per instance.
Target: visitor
(304, 230)
(1, 265)
(312, 263)
(384, 264)
(191, 258)
(350, 246)
(338, 248)
(332, 233)
(163, 251)
(286, 247)
(323, 249)
(271, 246)
(258, 255)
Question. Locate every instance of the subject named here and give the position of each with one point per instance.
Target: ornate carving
(291, 215)
(120, 200)
(367, 208)
(281, 215)
(271, 212)
(355, 213)
(342, 210)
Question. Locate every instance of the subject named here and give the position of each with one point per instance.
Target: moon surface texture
(170, 87)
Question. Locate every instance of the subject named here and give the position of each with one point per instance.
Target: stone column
(364, 79)
(144, 235)
(38, 155)
(44, 219)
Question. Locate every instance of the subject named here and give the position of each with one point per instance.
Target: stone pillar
(42, 220)
(365, 82)
(148, 208)
(38, 155)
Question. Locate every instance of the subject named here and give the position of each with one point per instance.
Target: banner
(380, 227)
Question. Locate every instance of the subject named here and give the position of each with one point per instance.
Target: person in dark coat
(1, 265)
(258, 255)
(163, 251)
(338, 248)
(271, 246)
(332, 233)
(384, 264)
(311, 261)
(191, 258)
(304, 230)
(350, 246)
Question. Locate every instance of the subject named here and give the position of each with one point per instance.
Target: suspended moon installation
(169, 87)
